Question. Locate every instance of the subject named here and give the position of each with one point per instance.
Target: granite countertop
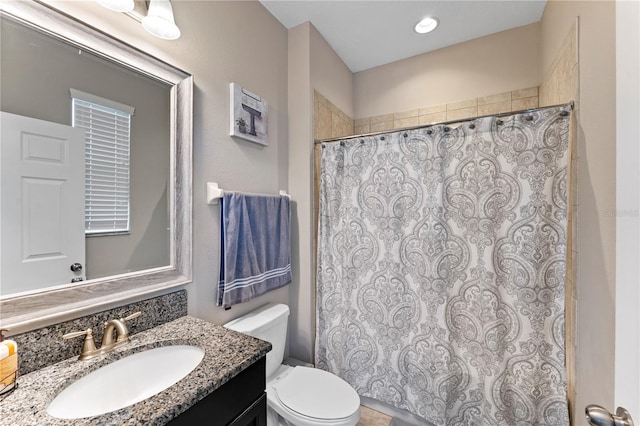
(227, 353)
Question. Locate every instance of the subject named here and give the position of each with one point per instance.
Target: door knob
(599, 416)
(75, 267)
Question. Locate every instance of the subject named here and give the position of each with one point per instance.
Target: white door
(627, 367)
(42, 203)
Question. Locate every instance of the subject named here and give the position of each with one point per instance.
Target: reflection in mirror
(145, 248)
(38, 72)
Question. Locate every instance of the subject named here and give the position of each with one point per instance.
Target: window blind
(107, 151)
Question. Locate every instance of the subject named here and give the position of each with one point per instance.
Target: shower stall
(441, 264)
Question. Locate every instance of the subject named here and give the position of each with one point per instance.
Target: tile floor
(369, 417)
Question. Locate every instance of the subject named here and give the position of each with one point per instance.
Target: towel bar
(214, 193)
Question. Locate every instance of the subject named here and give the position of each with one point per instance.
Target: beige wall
(596, 170)
(329, 75)
(301, 177)
(221, 42)
(313, 65)
(497, 63)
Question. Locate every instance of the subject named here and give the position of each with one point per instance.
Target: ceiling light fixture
(159, 19)
(427, 25)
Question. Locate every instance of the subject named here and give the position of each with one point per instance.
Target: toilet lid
(325, 395)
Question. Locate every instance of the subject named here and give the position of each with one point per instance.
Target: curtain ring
(405, 134)
(361, 141)
(499, 122)
(429, 131)
(341, 143)
(564, 113)
(529, 118)
(472, 126)
(446, 129)
(381, 138)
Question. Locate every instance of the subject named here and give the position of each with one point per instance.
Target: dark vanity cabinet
(241, 401)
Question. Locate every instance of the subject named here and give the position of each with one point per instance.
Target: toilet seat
(326, 399)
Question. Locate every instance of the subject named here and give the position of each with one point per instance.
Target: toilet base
(274, 419)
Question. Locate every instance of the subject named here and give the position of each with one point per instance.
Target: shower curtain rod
(461, 120)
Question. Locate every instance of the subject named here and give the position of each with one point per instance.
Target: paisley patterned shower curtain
(441, 267)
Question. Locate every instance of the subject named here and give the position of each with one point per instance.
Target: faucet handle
(125, 334)
(88, 347)
(88, 332)
(132, 316)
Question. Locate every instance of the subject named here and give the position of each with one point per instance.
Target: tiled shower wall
(494, 104)
(328, 120)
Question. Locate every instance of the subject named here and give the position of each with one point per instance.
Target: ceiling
(366, 34)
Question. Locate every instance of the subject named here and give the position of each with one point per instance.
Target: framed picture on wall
(248, 116)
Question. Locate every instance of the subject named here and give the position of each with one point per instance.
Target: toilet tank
(268, 322)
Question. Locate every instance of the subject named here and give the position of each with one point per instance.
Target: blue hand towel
(255, 246)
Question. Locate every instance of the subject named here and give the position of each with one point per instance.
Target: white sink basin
(125, 381)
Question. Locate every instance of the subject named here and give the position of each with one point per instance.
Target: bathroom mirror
(33, 308)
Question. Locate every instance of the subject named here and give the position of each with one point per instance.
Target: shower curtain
(441, 268)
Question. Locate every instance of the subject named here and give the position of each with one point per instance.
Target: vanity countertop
(227, 353)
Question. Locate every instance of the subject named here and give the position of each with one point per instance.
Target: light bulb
(160, 21)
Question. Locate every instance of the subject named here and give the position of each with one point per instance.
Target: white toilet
(301, 396)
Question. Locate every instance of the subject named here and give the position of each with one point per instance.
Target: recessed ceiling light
(427, 25)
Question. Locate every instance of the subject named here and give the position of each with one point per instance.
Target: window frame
(118, 143)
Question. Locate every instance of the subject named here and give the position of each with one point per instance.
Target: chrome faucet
(117, 326)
